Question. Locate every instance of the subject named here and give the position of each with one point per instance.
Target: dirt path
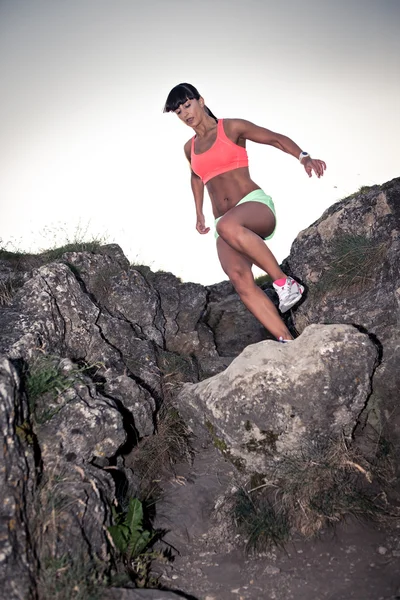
(356, 562)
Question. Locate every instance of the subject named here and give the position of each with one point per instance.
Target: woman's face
(191, 112)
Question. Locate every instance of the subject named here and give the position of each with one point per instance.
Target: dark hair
(180, 94)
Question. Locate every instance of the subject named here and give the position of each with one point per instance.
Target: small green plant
(46, 381)
(354, 260)
(128, 534)
(135, 543)
(45, 377)
(176, 367)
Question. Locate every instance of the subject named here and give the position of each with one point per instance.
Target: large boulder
(349, 260)
(274, 398)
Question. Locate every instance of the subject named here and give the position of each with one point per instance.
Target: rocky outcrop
(349, 261)
(274, 398)
(112, 342)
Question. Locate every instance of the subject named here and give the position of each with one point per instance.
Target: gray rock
(17, 563)
(275, 397)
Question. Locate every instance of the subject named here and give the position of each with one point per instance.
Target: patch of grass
(45, 382)
(55, 253)
(78, 241)
(363, 189)
(263, 523)
(316, 488)
(354, 260)
(327, 482)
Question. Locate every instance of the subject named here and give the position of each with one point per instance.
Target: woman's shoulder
(188, 148)
(234, 128)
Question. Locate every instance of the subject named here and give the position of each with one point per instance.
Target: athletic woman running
(244, 214)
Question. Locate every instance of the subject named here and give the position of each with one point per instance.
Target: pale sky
(84, 142)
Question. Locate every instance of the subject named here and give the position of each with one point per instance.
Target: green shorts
(255, 196)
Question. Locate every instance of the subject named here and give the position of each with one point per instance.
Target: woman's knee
(241, 278)
(228, 229)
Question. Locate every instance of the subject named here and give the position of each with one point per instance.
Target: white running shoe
(280, 339)
(288, 294)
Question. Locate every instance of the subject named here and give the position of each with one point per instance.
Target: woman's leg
(244, 227)
(238, 268)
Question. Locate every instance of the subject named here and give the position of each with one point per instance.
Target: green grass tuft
(263, 523)
(355, 258)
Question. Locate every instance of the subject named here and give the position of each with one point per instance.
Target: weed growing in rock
(45, 376)
(102, 283)
(176, 368)
(46, 381)
(135, 543)
(354, 260)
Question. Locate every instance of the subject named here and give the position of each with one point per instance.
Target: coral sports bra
(224, 155)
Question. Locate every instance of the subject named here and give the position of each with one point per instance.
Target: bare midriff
(227, 189)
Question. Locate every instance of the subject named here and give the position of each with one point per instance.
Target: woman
(244, 214)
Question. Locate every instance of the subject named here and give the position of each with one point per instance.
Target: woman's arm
(198, 192)
(249, 131)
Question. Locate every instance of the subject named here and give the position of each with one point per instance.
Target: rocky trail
(354, 561)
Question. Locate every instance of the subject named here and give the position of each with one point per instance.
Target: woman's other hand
(201, 225)
(314, 164)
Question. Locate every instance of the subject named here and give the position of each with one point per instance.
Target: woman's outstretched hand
(201, 225)
(314, 164)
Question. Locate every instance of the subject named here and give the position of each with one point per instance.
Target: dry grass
(7, 291)
(355, 259)
(327, 482)
(156, 455)
(316, 488)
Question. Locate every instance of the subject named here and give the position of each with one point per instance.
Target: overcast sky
(84, 143)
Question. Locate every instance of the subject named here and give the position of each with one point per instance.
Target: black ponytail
(210, 114)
